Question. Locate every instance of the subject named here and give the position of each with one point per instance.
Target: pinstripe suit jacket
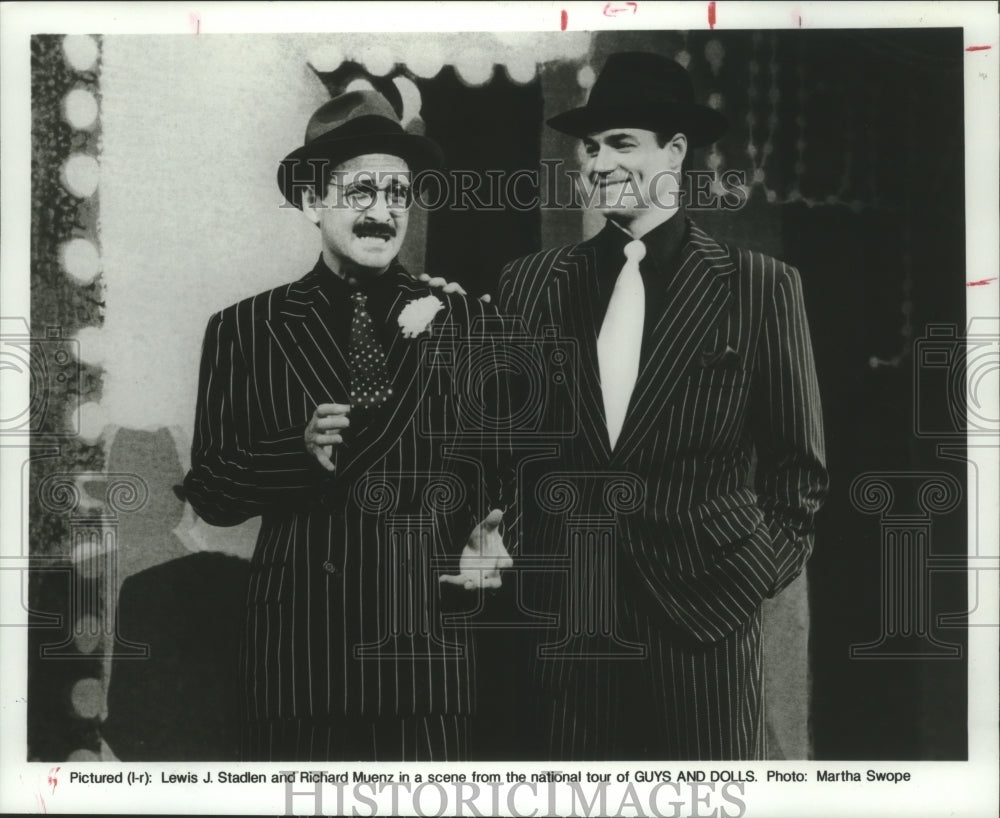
(729, 376)
(343, 602)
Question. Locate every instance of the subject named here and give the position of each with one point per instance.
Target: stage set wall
(852, 147)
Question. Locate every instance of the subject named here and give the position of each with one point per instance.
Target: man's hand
(323, 431)
(450, 286)
(439, 283)
(483, 557)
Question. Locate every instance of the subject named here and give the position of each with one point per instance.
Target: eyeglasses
(363, 195)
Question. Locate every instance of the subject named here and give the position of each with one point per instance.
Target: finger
(493, 520)
(454, 579)
(324, 460)
(325, 409)
(455, 287)
(437, 281)
(492, 582)
(333, 422)
(424, 277)
(486, 298)
(326, 440)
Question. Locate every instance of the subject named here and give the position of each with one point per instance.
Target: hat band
(368, 125)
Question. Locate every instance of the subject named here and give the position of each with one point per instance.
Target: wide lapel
(408, 381)
(301, 327)
(696, 298)
(570, 293)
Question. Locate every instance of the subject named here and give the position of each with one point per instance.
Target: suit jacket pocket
(710, 531)
(718, 377)
(270, 572)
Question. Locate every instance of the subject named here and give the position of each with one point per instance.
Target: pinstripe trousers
(414, 738)
(684, 701)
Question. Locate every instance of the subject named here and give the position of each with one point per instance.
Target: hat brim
(418, 152)
(699, 123)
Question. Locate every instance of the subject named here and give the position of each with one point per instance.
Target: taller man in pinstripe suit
(318, 410)
(696, 363)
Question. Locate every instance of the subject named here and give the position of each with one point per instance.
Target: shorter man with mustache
(321, 410)
(696, 391)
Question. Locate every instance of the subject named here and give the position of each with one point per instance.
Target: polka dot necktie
(620, 340)
(369, 378)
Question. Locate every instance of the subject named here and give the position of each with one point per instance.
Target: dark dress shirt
(381, 291)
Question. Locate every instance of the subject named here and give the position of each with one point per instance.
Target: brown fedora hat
(643, 90)
(349, 125)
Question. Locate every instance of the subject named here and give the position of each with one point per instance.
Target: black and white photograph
(533, 409)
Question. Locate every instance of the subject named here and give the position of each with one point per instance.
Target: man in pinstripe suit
(319, 412)
(695, 363)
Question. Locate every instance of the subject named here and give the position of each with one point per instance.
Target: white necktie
(620, 340)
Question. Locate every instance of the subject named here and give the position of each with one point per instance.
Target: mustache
(374, 230)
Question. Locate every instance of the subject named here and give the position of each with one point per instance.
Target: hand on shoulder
(439, 283)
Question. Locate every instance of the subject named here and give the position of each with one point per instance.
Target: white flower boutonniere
(416, 316)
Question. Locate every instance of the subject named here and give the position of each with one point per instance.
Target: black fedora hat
(643, 90)
(349, 125)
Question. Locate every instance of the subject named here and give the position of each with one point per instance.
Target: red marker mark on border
(563, 20)
(711, 14)
(54, 778)
(616, 10)
(195, 22)
(979, 48)
(981, 283)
